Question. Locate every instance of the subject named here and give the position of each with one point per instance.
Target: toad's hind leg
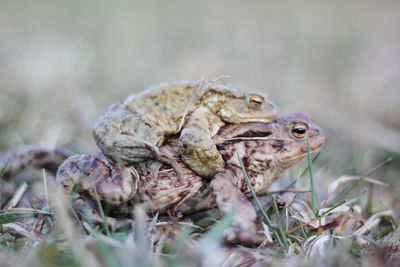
(88, 174)
(230, 199)
(127, 137)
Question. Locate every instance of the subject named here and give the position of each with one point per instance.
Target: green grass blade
(264, 214)
(101, 211)
(304, 172)
(181, 239)
(282, 228)
(216, 232)
(253, 193)
(314, 197)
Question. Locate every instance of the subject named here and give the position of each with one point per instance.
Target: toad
(133, 130)
(264, 149)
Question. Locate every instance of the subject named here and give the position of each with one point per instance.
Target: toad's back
(165, 104)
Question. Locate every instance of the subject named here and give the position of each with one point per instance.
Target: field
(62, 64)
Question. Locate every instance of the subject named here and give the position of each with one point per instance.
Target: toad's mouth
(303, 155)
(254, 118)
(314, 148)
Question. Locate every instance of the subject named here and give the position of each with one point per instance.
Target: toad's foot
(167, 159)
(202, 157)
(170, 161)
(231, 200)
(198, 150)
(236, 235)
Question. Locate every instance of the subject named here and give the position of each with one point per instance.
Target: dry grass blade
(197, 94)
(308, 218)
(26, 211)
(45, 189)
(143, 252)
(267, 233)
(16, 197)
(333, 189)
(302, 212)
(18, 229)
(315, 246)
(67, 229)
(369, 172)
(374, 220)
(184, 224)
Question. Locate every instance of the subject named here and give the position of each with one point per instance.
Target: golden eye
(299, 130)
(255, 101)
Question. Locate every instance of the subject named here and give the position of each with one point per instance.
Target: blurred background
(62, 63)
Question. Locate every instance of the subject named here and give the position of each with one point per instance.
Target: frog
(262, 151)
(133, 129)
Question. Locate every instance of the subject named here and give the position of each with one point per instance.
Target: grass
(278, 232)
(101, 211)
(298, 229)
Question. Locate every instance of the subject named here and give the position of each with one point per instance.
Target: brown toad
(134, 129)
(266, 150)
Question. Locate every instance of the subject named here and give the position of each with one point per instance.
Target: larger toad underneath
(266, 150)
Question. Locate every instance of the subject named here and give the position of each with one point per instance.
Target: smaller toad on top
(133, 129)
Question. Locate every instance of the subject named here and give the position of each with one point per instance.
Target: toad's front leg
(125, 137)
(198, 149)
(230, 199)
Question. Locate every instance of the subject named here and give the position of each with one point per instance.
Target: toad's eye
(299, 130)
(255, 101)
